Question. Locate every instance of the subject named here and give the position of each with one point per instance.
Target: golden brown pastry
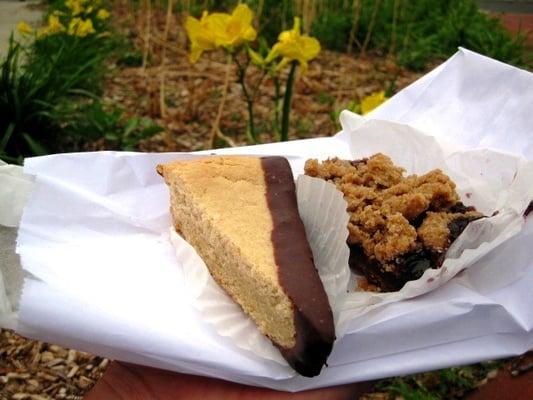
(241, 216)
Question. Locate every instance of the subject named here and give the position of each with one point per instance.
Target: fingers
(126, 381)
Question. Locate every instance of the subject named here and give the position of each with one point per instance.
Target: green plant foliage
(417, 32)
(332, 28)
(420, 31)
(444, 384)
(36, 78)
(49, 93)
(334, 115)
(130, 58)
(119, 133)
(88, 120)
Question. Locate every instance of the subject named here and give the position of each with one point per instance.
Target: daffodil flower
(220, 30)
(54, 26)
(75, 6)
(24, 28)
(372, 101)
(80, 27)
(293, 46)
(231, 30)
(201, 37)
(102, 14)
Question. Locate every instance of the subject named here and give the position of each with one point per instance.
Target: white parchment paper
(498, 184)
(104, 277)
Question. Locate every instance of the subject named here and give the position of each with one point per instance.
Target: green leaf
(85, 93)
(7, 135)
(37, 148)
(131, 125)
(111, 136)
(9, 159)
(150, 131)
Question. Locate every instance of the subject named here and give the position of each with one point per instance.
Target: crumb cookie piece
(399, 226)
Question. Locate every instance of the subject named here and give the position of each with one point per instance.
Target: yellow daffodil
(24, 28)
(293, 46)
(201, 37)
(220, 30)
(76, 6)
(231, 30)
(256, 58)
(80, 27)
(372, 101)
(102, 14)
(54, 26)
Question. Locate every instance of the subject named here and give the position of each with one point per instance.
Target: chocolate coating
(298, 276)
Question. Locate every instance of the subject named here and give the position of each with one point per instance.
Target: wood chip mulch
(40, 371)
(184, 98)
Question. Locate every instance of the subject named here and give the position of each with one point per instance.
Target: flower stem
(287, 103)
(250, 131)
(251, 127)
(277, 96)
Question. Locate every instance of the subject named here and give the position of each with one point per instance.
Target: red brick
(518, 23)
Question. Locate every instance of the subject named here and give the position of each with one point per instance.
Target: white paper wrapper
(493, 182)
(15, 188)
(123, 233)
(101, 274)
(322, 209)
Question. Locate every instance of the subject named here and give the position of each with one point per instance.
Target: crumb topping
(391, 215)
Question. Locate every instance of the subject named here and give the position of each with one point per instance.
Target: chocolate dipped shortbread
(241, 216)
(399, 226)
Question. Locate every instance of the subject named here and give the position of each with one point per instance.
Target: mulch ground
(184, 98)
(35, 370)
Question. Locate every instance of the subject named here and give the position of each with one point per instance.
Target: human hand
(129, 382)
